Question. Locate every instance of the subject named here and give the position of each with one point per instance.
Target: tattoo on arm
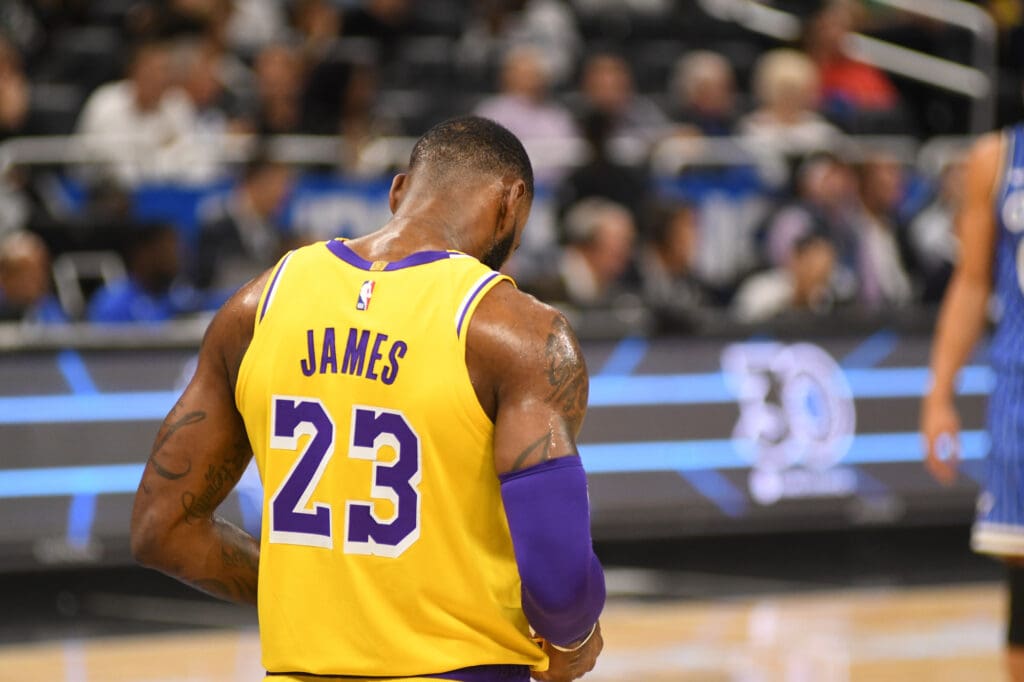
(170, 427)
(566, 373)
(534, 453)
(219, 475)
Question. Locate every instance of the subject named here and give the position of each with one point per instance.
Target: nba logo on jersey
(365, 294)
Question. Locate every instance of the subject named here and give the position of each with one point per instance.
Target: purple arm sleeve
(549, 517)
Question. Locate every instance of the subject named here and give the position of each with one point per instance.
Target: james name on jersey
(360, 356)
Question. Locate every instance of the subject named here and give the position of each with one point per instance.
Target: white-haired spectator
(598, 257)
(703, 93)
(143, 123)
(786, 87)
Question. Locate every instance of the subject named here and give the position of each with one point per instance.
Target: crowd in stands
(155, 87)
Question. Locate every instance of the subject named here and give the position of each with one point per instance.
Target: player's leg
(1015, 627)
(999, 527)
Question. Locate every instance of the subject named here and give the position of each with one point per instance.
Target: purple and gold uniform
(385, 550)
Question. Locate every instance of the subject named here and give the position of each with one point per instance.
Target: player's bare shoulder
(519, 345)
(230, 332)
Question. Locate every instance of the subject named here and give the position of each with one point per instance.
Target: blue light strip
(710, 388)
(81, 514)
(60, 481)
(606, 390)
(699, 455)
(82, 508)
(873, 350)
(599, 458)
(626, 356)
(44, 409)
(76, 374)
(719, 490)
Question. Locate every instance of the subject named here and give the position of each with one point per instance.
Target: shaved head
(472, 146)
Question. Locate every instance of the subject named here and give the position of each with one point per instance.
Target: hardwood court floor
(937, 634)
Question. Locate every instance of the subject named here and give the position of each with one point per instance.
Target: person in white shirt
(802, 284)
(141, 126)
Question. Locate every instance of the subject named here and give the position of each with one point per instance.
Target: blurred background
(745, 208)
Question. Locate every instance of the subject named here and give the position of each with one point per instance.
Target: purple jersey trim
(479, 673)
(487, 673)
(273, 284)
(469, 301)
(339, 249)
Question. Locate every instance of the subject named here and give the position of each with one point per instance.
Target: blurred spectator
(146, 295)
(825, 203)
(802, 284)
(239, 234)
(318, 24)
(279, 87)
(15, 94)
(882, 256)
(385, 21)
(931, 235)
(601, 175)
(15, 205)
(524, 105)
(595, 263)
(703, 92)
(329, 71)
(607, 86)
(147, 121)
(499, 25)
(361, 123)
(23, 24)
(786, 87)
(852, 92)
(217, 110)
(670, 285)
(255, 23)
(26, 287)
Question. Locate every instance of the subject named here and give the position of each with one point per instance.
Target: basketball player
(990, 226)
(413, 417)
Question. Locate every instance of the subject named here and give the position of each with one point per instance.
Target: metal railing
(667, 156)
(974, 81)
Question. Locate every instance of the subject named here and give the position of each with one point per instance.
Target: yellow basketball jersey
(384, 550)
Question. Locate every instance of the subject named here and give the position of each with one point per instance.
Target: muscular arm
(198, 457)
(531, 377)
(962, 317)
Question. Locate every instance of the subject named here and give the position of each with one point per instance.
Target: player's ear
(516, 200)
(398, 187)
